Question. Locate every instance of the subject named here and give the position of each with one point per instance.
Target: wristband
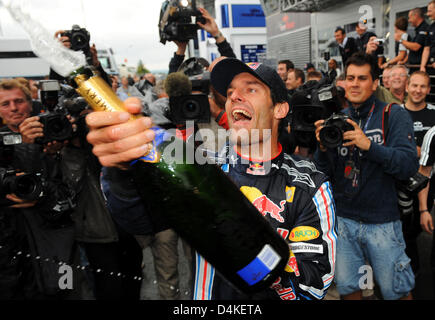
(421, 211)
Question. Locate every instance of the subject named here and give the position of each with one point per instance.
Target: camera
(79, 38)
(313, 101)
(57, 127)
(28, 186)
(193, 107)
(380, 41)
(407, 190)
(178, 20)
(331, 135)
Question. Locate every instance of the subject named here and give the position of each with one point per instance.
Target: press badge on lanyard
(351, 170)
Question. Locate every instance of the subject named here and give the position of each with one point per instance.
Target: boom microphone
(177, 84)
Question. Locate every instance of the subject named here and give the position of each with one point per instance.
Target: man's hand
(372, 45)
(356, 137)
(181, 47)
(54, 146)
(117, 140)
(95, 61)
(210, 24)
(319, 125)
(20, 202)
(30, 129)
(426, 222)
(65, 40)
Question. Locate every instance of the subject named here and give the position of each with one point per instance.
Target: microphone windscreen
(178, 84)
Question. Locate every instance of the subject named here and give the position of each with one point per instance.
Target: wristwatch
(218, 35)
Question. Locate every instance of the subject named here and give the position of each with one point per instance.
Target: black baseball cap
(225, 71)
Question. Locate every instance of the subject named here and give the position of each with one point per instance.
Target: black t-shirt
(430, 42)
(423, 121)
(421, 34)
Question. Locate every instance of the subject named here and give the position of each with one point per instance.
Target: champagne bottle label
(154, 156)
(261, 266)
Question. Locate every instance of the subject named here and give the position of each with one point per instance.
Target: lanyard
(369, 117)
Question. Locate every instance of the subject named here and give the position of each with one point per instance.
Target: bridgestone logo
(306, 247)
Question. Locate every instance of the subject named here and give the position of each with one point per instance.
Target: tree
(141, 69)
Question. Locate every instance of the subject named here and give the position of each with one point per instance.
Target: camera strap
(385, 117)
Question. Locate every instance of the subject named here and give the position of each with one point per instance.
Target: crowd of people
(338, 208)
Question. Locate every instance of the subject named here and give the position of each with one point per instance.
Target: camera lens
(55, 126)
(79, 41)
(191, 109)
(331, 137)
(27, 187)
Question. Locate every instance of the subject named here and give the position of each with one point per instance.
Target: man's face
(360, 30)
(413, 18)
(398, 78)
(418, 88)
(14, 107)
(292, 83)
(359, 84)
(249, 107)
(339, 37)
(386, 76)
(282, 71)
(124, 81)
(431, 11)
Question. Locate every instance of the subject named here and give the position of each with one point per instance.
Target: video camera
(188, 91)
(178, 20)
(79, 38)
(311, 102)
(195, 106)
(60, 101)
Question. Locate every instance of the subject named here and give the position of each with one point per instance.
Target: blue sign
(251, 52)
(248, 15)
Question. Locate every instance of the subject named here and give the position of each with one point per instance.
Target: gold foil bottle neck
(98, 94)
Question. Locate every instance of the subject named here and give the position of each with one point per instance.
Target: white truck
(18, 60)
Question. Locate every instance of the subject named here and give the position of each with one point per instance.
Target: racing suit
(296, 200)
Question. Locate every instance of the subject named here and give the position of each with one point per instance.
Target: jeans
(383, 247)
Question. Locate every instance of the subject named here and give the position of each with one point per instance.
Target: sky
(129, 27)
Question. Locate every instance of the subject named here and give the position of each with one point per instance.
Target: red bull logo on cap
(253, 65)
(263, 203)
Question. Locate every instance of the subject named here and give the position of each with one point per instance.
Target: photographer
(42, 217)
(90, 51)
(363, 171)
(108, 247)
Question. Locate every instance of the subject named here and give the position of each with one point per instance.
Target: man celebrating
(363, 172)
(256, 103)
(423, 116)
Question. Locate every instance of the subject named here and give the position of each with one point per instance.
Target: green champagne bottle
(210, 212)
